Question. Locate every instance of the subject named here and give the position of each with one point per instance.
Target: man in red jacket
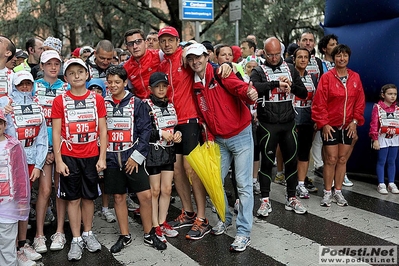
(182, 98)
(142, 63)
(222, 105)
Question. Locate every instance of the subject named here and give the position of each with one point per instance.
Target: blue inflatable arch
(370, 29)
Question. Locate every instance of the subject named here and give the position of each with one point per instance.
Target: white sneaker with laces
(382, 189)
(108, 216)
(265, 208)
(393, 188)
(39, 244)
(347, 182)
(58, 241)
(30, 253)
(23, 260)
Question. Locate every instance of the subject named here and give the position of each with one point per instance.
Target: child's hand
(131, 165)
(177, 137)
(34, 175)
(50, 158)
(376, 145)
(166, 135)
(101, 165)
(62, 169)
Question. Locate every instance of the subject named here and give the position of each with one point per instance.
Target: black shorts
(190, 137)
(154, 170)
(305, 139)
(340, 136)
(82, 181)
(117, 181)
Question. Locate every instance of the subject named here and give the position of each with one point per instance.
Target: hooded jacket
(337, 104)
(222, 104)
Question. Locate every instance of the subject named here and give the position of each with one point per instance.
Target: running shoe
(327, 199)
(122, 242)
(220, 228)
(280, 179)
(302, 192)
(152, 240)
(309, 185)
(347, 182)
(339, 199)
(393, 189)
(91, 243)
(159, 234)
(49, 218)
(183, 220)
(58, 241)
(168, 231)
(382, 189)
(293, 204)
(265, 208)
(39, 244)
(30, 253)
(108, 216)
(76, 250)
(199, 229)
(256, 186)
(240, 243)
(22, 260)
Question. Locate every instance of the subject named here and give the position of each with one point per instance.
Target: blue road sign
(197, 10)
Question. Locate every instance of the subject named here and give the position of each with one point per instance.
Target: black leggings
(269, 135)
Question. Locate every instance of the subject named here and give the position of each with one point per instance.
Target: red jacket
(337, 105)
(181, 81)
(139, 72)
(223, 107)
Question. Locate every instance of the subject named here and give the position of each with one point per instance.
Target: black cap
(291, 48)
(208, 45)
(158, 77)
(21, 54)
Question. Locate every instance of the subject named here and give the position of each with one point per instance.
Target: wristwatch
(354, 121)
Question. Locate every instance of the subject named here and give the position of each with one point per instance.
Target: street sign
(196, 10)
(235, 10)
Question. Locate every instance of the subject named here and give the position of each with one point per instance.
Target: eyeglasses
(86, 51)
(135, 42)
(273, 55)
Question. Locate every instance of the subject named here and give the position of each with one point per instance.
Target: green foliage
(87, 22)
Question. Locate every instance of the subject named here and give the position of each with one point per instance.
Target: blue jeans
(241, 148)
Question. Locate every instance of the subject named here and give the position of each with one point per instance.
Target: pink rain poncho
(14, 181)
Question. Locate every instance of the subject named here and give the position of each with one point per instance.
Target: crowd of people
(125, 120)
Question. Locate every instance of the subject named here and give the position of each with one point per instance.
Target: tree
(86, 22)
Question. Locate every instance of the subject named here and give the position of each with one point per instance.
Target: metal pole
(197, 29)
(237, 32)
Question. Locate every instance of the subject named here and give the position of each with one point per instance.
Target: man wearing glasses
(141, 64)
(277, 83)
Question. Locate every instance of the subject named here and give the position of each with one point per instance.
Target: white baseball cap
(22, 75)
(74, 61)
(49, 54)
(196, 49)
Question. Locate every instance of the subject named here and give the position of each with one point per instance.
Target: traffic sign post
(235, 15)
(196, 11)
